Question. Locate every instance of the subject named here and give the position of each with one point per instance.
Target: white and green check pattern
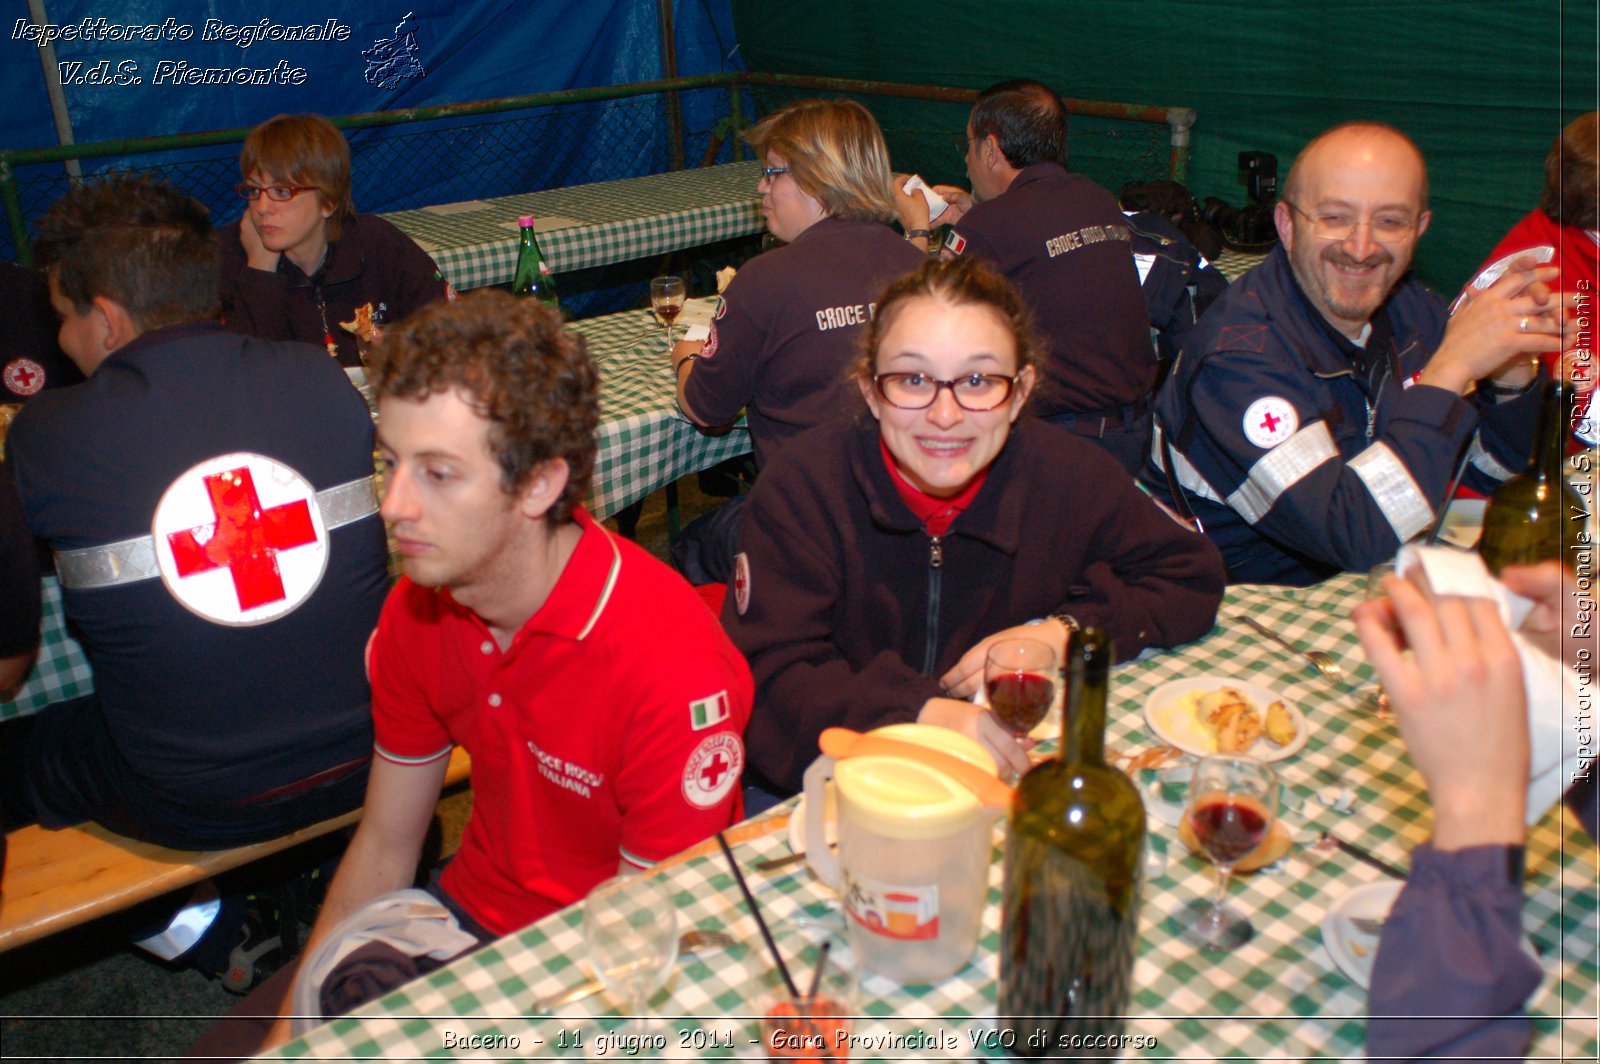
(475, 243)
(1233, 264)
(645, 442)
(61, 671)
(1277, 998)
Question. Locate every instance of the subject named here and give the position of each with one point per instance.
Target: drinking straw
(816, 973)
(750, 900)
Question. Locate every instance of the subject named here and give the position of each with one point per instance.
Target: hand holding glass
(1019, 676)
(1232, 804)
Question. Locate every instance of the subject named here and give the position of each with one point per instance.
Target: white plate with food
(1353, 925)
(1205, 715)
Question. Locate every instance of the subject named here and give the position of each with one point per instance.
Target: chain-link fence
(436, 155)
(924, 127)
(472, 151)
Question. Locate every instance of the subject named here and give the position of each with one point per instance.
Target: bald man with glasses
(1319, 412)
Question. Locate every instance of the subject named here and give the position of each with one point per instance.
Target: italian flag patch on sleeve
(708, 712)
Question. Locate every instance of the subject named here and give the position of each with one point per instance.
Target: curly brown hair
(956, 281)
(530, 378)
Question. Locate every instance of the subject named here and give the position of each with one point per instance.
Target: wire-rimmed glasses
(1337, 225)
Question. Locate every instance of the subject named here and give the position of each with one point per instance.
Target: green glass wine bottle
(1073, 859)
(533, 276)
(1536, 516)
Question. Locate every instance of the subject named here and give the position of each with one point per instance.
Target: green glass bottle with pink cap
(533, 274)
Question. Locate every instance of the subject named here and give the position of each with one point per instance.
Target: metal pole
(669, 64)
(1180, 120)
(51, 69)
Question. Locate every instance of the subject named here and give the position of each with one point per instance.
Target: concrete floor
(86, 994)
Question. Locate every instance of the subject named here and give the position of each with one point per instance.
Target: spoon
(1323, 661)
(693, 941)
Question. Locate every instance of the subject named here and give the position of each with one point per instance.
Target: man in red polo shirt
(600, 700)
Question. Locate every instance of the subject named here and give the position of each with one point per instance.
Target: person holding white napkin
(1482, 709)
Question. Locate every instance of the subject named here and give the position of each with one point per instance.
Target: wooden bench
(59, 879)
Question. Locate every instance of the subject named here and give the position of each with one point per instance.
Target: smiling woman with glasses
(881, 558)
(302, 264)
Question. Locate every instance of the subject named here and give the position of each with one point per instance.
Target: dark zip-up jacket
(854, 611)
(1362, 457)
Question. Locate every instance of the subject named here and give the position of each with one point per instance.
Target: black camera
(1249, 228)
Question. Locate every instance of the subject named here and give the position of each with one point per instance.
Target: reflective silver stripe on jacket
(131, 560)
(1404, 506)
(1281, 469)
(1485, 462)
(1188, 476)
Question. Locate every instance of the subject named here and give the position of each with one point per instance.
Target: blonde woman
(791, 321)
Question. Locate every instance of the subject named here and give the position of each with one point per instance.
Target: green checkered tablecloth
(61, 671)
(645, 443)
(475, 243)
(1280, 997)
(1233, 264)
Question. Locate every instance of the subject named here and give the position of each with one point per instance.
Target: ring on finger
(1522, 326)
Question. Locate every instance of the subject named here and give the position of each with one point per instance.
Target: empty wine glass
(1232, 803)
(630, 924)
(666, 299)
(1019, 677)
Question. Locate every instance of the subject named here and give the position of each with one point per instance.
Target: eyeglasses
(276, 193)
(770, 172)
(1341, 225)
(976, 392)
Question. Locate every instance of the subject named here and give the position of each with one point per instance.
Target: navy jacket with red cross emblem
(1303, 455)
(209, 713)
(30, 360)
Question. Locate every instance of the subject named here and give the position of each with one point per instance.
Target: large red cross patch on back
(240, 539)
(245, 537)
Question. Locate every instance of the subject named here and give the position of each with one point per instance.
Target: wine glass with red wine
(1019, 676)
(1233, 801)
(666, 299)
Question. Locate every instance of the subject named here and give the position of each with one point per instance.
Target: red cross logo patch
(23, 376)
(741, 582)
(713, 769)
(1269, 421)
(240, 539)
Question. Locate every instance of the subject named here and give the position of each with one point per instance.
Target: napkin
(936, 202)
(1553, 690)
(411, 921)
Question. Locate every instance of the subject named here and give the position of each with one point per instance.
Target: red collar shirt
(610, 729)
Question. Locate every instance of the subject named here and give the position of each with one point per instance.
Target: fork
(1367, 925)
(1323, 661)
(696, 940)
